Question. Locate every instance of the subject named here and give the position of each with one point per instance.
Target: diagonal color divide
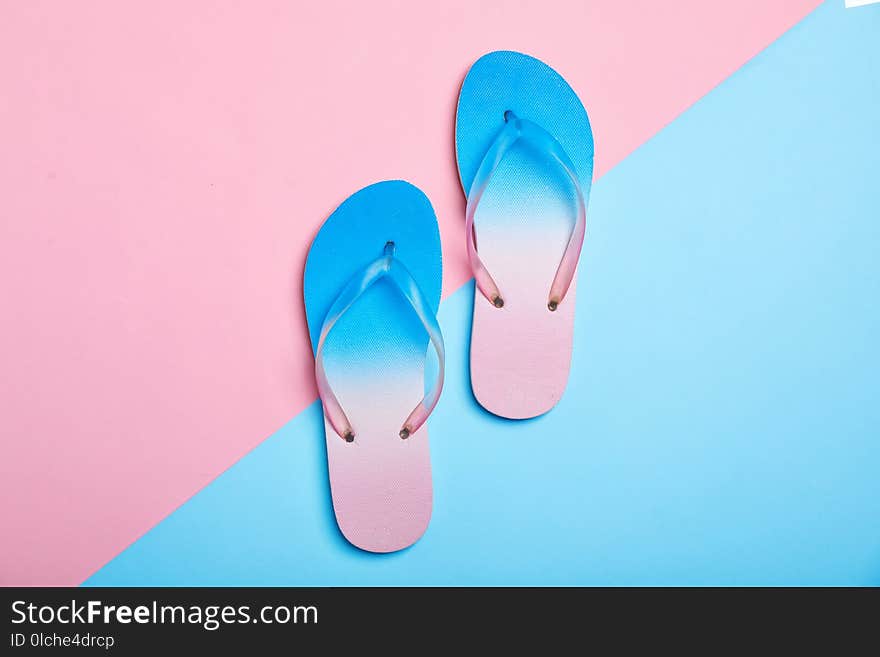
(158, 203)
(720, 424)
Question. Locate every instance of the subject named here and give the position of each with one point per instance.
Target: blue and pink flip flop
(372, 289)
(525, 158)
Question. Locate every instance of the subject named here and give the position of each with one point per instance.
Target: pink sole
(521, 353)
(381, 485)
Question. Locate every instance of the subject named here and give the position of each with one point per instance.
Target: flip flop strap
(516, 129)
(386, 266)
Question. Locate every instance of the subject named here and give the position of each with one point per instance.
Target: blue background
(722, 423)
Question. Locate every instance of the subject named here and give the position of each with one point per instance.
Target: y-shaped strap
(514, 130)
(386, 266)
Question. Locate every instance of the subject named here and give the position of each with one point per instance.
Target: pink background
(163, 170)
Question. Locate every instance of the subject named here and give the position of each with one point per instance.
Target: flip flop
(372, 290)
(525, 158)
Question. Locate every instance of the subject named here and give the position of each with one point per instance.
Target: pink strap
(386, 266)
(516, 129)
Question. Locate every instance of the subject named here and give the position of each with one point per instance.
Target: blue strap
(516, 129)
(386, 266)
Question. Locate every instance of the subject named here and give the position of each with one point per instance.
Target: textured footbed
(375, 362)
(521, 353)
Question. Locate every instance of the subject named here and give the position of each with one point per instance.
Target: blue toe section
(354, 236)
(505, 81)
